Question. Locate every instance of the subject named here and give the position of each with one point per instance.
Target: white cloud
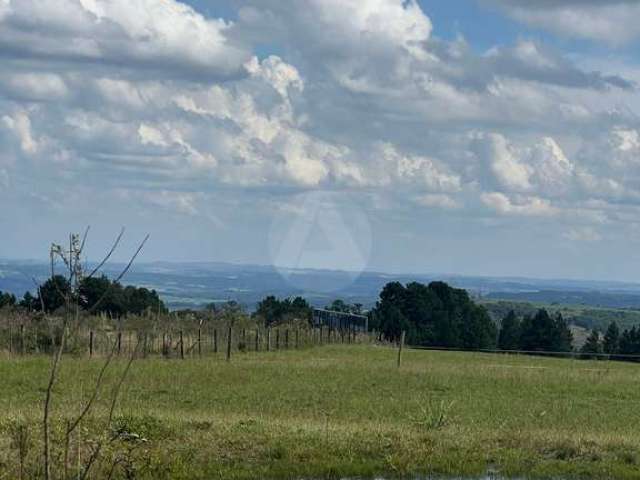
(166, 35)
(613, 22)
(150, 96)
(520, 205)
(20, 124)
(438, 200)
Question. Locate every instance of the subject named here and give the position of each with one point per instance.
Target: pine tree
(509, 337)
(564, 339)
(611, 339)
(592, 345)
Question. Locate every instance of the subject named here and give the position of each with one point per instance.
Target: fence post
(215, 340)
(144, 345)
(199, 342)
(268, 339)
(10, 337)
(286, 339)
(400, 348)
(22, 343)
(320, 334)
(181, 346)
(277, 339)
(297, 339)
(257, 339)
(91, 344)
(119, 342)
(229, 332)
(244, 337)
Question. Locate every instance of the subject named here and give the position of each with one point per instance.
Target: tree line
(432, 315)
(613, 342)
(439, 315)
(108, 296)
(537, 333)
(273, 310)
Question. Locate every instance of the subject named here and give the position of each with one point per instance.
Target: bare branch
(84, 238)
(114, 400)
(119, 277)
(106, 258)
(96, 390)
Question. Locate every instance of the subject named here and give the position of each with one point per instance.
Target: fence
(171, 339)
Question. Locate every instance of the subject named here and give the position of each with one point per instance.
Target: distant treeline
(99, 294)
(273, 311)
(539, 333)
(439, 315)
(613, 342)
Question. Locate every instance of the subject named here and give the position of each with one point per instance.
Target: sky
(484, 137)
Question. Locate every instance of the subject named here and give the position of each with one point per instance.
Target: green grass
(344, 411)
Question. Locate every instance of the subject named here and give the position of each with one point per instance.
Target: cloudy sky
(496, 137)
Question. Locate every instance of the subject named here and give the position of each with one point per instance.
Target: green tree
(52, 293)
(611, 339)
(7, 300)
(509, 337)
(592, 345)
(563, 341)
(541, 333)
(434, 314)
(29, 302)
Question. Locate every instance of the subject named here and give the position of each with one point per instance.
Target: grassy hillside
(339, 411)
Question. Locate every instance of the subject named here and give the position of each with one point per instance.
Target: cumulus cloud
(164, 35)
(151, 98)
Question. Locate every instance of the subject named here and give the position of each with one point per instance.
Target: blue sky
(496, 137)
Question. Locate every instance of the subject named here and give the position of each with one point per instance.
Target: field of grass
(338, 411)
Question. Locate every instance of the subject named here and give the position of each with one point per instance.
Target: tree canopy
(100, 294)
(273, 310)
(434, 315)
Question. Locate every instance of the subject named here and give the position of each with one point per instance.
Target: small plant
(435, 415)
(20, 440)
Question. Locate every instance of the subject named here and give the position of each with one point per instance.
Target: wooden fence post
(268, 339)
(91, 344)
(119, 342)
(297, 344)
(277, 339)
(320, 334)
(229, 333)
(400, 348)
(181, 345)
(257, 339)
(199, 342)
(215, 340)
(23, 349)
(286, 339)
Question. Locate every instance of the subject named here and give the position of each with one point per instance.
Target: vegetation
(109, 296)
(273, 310)
(334, 412)
(432, 315)
(539, 333)
(580, 315)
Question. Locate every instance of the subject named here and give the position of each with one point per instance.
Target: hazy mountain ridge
(196, 284)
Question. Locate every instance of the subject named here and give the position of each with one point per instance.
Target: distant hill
(196, 284)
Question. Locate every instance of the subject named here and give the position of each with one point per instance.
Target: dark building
(340, 320)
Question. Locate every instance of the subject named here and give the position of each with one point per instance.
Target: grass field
(341, 411)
